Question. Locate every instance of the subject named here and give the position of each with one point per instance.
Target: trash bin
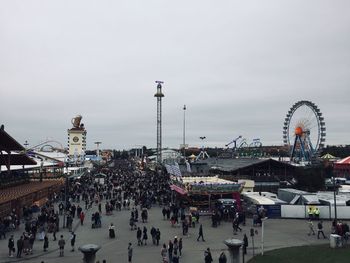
(335, 241)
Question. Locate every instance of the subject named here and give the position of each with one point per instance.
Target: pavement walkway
(278, 233)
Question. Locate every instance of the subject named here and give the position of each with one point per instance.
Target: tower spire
(159, 95)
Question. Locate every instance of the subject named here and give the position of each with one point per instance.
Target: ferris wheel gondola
(304, 131)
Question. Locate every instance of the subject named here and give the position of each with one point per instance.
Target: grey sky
(237, 65)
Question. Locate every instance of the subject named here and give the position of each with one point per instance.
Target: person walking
(31, 242)
(154, 235)
(69, 222)
(130, 253)
(79, 210)
(311, 228)
(138, 236)
(54, 231)
(222, 257)
(207, 256)
(157, 236)
(180, 246)
(320, 230)
(170, 251)
(164, 253)
(145, 236)
(46, 243)
(175, 257)
(245, 244)
(61, 244)
(111, 231)
(200, 233)
(82, 217)
(20, 244)
(11, 246)
(72, 241)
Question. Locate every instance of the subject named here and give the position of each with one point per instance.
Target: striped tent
(328, 156)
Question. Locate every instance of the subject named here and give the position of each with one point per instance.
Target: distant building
(168, 155)
(267, 174)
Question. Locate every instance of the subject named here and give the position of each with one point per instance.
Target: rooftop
(205, 180)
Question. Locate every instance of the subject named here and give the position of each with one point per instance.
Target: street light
(335, 199)
(184, 132)
(262, 234)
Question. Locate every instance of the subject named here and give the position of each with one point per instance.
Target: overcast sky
(237, 65)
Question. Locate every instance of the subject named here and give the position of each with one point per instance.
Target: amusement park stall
(202, 192)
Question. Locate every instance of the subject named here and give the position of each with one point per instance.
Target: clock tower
(77, 140)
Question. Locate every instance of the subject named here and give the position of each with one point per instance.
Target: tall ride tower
(159, 95)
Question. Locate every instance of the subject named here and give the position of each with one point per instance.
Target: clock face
(75, 139)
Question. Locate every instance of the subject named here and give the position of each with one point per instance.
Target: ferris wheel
(304, 131)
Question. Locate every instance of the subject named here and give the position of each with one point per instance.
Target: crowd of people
(124, 188)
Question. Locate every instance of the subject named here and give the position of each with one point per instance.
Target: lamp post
(262, 234)
(41, 171)
(184, 133)
(335, 199)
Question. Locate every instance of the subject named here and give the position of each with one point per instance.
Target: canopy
(178, 189)
(328, 156)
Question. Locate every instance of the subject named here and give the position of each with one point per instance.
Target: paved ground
(278, 233)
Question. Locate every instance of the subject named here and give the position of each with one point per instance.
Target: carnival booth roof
(344, 161)
(205, 180)
(328, 156)
(7, 143)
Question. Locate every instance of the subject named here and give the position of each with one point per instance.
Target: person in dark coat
(207, 256)
(72, 240)
(153, 234)
(11, 246)
(46, 243)
(145, 236)
(20, 244)
(157, 236)
(200, 233)
(170, 250)
(61, 244)
(175, 257)
(164, 212)
(138, 236)
(245, 244)
(180, 246)
(222, 257)
(111, 231)
(129, 252)
(79, 210)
